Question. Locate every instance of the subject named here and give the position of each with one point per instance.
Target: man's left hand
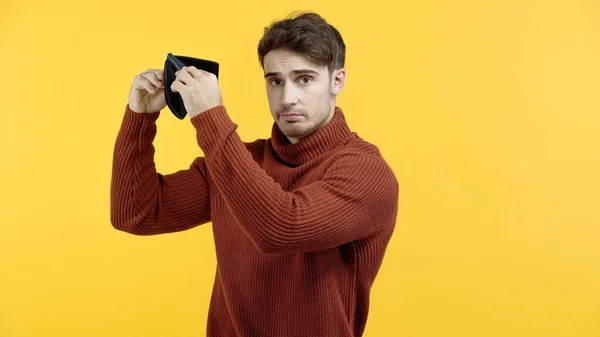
(199, 90)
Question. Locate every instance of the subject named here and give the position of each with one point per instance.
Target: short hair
(306, 33)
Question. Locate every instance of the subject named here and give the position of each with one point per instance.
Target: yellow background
(486, 110)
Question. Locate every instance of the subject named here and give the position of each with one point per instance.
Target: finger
(205, 73)
(158, 72)
(177, 86)
(155, 71)
(144, 84)
(184, 76)
(151, 76)
(193, 71)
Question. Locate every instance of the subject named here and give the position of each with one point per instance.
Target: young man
(301, 220)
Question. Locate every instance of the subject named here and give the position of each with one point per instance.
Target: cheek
(316, 96)
(320, 91)
(272, 97)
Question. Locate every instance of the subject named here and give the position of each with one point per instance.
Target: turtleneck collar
(314, 144)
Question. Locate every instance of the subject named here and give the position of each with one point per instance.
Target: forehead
(282, 60)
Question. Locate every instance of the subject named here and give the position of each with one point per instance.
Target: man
(301, 220)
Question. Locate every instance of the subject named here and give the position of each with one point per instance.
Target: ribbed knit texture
(300, 230)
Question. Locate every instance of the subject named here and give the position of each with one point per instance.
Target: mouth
(291, 117)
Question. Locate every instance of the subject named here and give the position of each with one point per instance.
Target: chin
(293, 131)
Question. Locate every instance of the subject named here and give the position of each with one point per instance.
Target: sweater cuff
(134, 125)
(137, 117)
(212, 127)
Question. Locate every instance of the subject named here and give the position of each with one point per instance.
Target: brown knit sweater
(300, 230)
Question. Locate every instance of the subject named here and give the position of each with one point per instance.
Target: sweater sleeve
(145, 202)
(356, 198)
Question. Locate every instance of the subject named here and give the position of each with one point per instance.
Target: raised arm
(143, 201)
(356, 198)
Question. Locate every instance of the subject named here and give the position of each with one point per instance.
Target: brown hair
(307, 34)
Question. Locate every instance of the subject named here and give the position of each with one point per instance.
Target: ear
(338, 79)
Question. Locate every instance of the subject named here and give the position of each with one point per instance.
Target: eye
(306, 79)
(275, 82)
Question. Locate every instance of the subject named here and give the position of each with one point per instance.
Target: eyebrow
(298, 71)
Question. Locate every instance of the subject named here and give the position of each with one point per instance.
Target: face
(301, 93)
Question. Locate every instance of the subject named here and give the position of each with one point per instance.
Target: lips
(291, 117)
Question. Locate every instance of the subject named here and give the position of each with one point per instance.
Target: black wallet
(172, 64)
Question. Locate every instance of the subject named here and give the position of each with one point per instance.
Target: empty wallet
(174, 63)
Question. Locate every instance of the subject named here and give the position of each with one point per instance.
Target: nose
(290, 95)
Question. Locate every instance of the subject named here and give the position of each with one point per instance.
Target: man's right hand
(148, 92)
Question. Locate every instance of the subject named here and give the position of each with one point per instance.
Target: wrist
(138, 110)
(200, 111)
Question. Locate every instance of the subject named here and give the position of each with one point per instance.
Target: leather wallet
(174, 63)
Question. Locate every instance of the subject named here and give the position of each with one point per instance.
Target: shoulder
(360, 172)
(360, 150)
(360, 161)
(258, 144)
(257, 148)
